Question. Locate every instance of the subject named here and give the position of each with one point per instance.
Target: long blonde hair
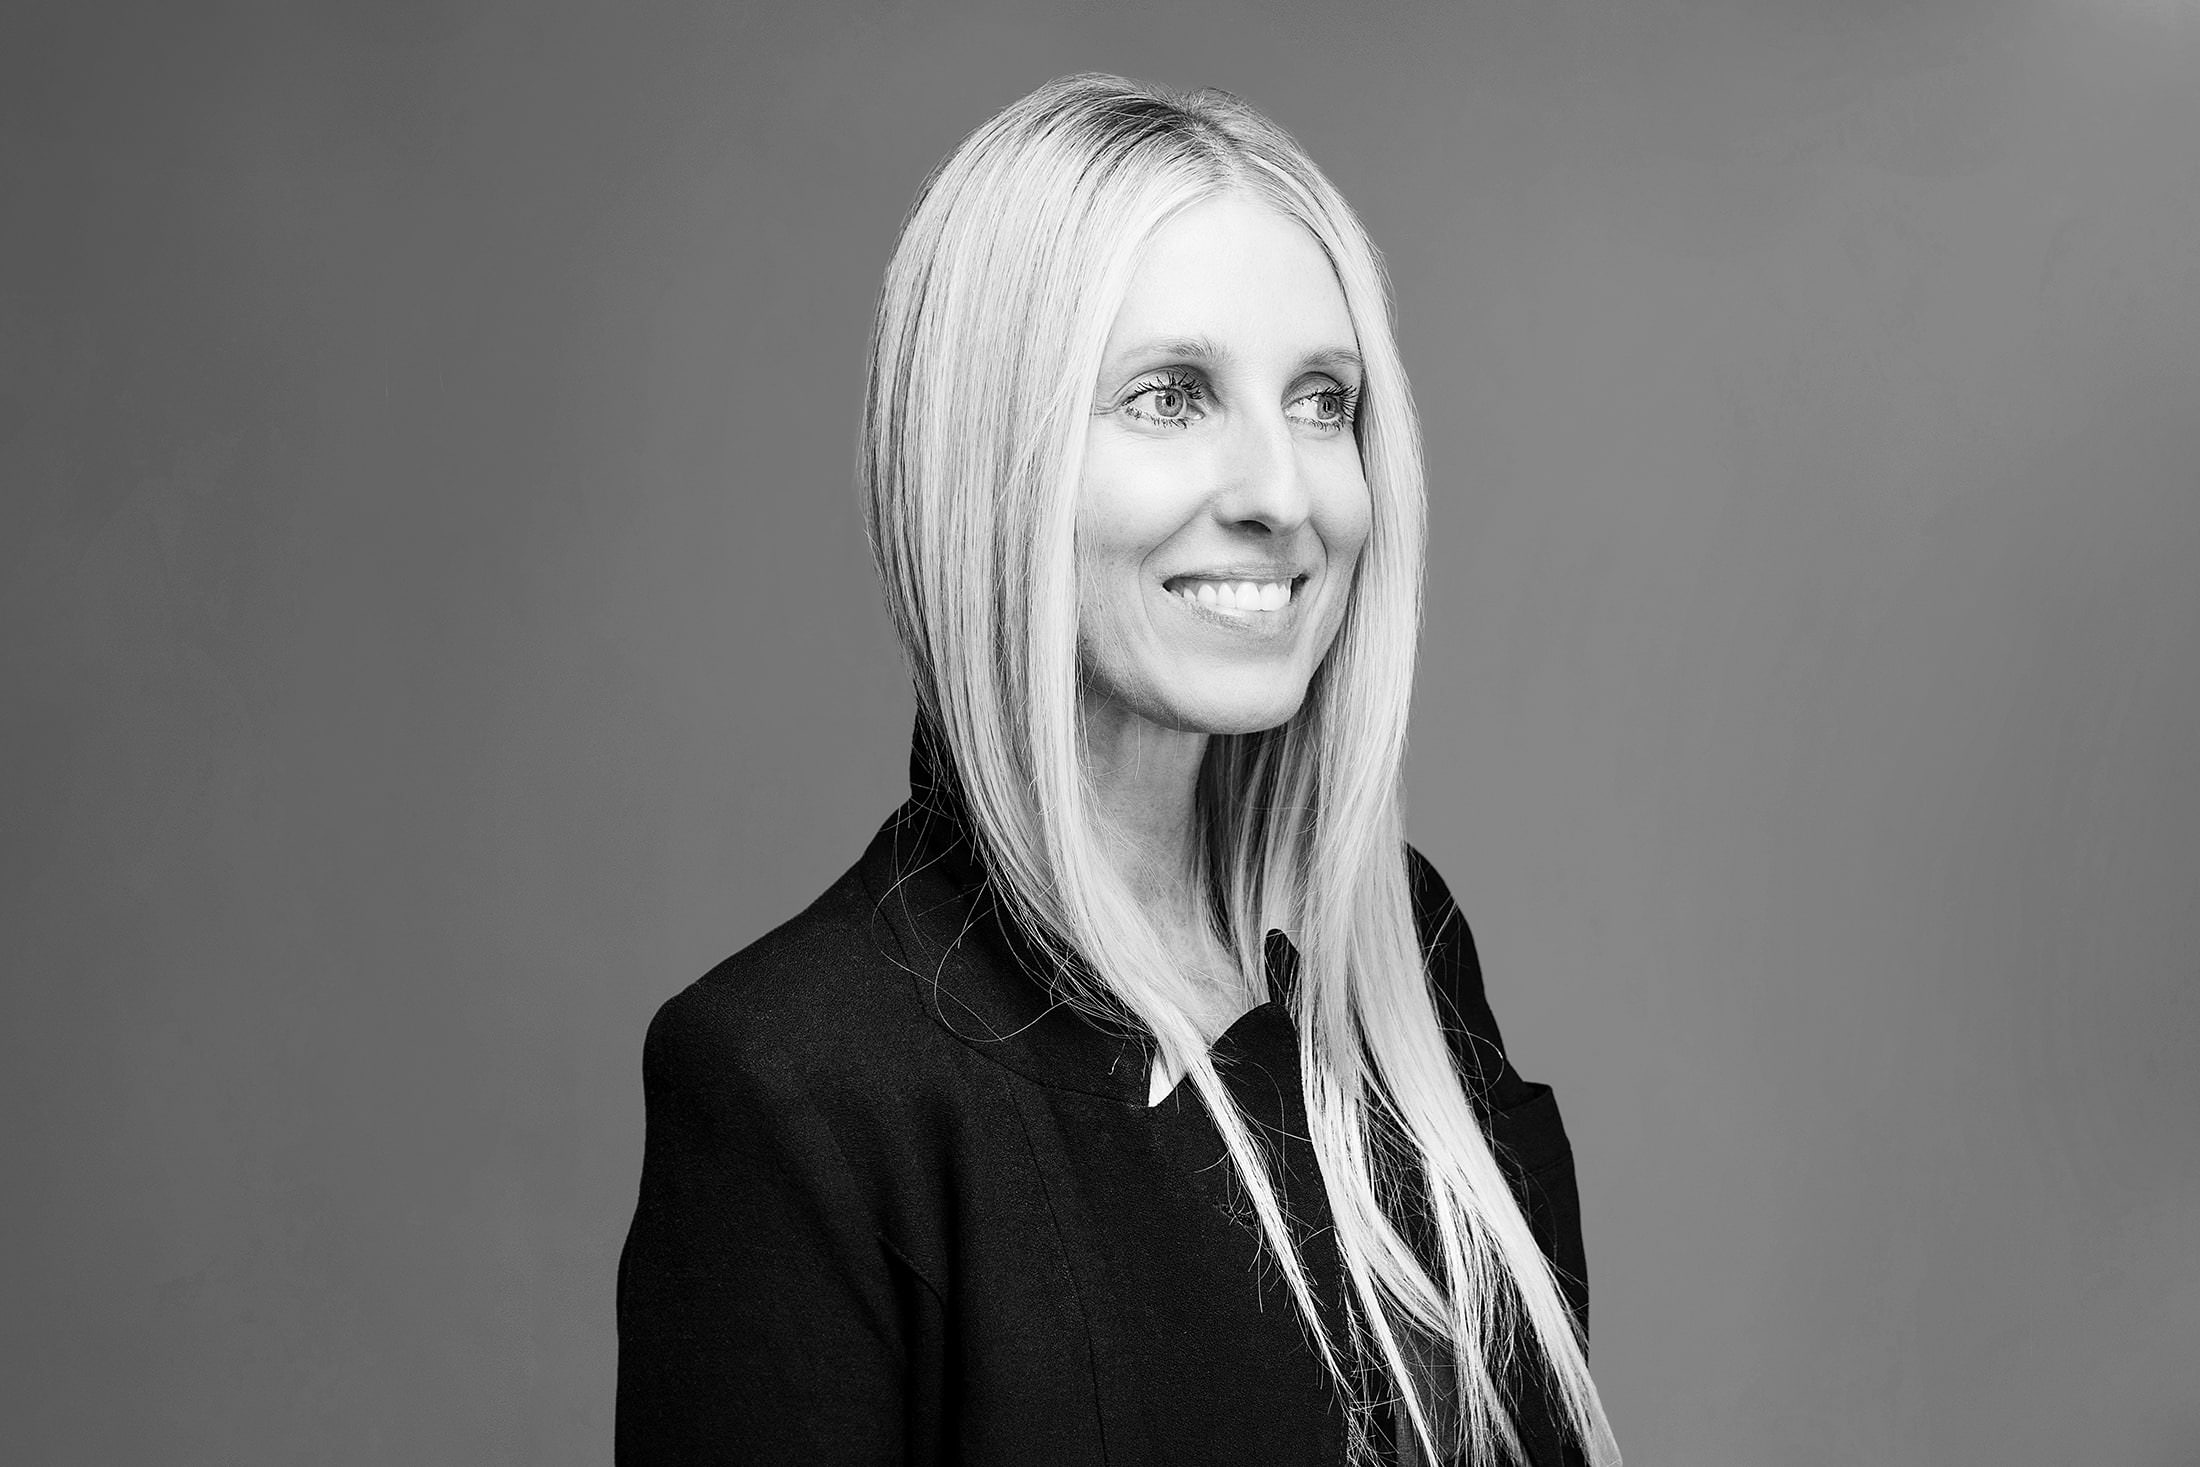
(986, 348)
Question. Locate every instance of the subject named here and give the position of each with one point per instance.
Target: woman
(1133, 1099)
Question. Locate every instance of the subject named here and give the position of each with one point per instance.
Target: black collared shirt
(898, 1207)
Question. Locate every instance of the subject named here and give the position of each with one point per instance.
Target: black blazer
(896, 1207)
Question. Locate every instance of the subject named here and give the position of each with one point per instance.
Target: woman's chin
(1252, 711)
(1208, 700)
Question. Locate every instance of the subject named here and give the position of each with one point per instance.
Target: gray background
(438, 627)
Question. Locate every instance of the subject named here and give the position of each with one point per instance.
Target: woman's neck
(1145, 779)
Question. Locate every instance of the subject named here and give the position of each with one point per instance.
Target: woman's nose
(1260, 484)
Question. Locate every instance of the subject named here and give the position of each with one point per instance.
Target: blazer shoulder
(824, 996)
(1522, 1114)
(1445, 938)
(1447, 946)
(1455, 981)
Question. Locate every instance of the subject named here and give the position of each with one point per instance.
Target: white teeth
(1239, 596)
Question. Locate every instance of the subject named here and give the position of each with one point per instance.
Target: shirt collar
(980, 976)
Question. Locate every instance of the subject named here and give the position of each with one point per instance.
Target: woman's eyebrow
(1339, 359)
(1208, 352)
(1199, 349)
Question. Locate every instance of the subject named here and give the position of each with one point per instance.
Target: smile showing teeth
(1237, 596)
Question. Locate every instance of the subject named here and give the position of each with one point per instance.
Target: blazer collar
(981, 977)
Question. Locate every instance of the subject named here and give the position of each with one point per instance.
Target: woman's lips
(1238, 596)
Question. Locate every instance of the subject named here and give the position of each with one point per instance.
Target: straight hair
(985, 351)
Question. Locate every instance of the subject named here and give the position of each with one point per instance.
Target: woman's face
(1222, 507)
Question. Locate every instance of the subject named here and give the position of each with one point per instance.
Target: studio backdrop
(438, 627)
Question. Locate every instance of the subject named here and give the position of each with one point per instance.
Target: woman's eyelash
(1348, 402)
(1183, 382)
(1191, 387)
(1194, 390)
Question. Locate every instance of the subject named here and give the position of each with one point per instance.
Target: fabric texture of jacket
(897, 1206)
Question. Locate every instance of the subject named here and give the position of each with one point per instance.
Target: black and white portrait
(892, 733)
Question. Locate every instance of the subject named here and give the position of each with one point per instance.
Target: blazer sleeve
(1525, 1131)
(755, 1308)
(1520, 1117)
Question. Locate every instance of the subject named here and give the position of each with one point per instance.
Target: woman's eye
(1174, 403)
(1330, 407)
(1170, 402)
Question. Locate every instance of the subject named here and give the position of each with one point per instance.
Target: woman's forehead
(1231, 281)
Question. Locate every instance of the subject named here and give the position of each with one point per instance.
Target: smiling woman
(1221, 507)
(1134, 1097)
